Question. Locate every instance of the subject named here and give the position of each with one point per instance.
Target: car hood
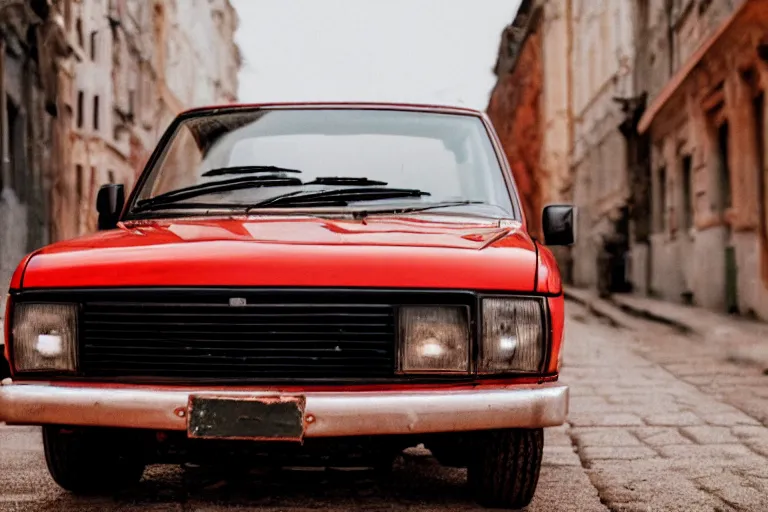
(416, 252)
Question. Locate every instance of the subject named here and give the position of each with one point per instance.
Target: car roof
(418, 107)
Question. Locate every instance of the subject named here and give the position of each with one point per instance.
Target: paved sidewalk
(739, 339)
(652, 423)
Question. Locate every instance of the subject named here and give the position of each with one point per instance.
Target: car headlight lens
(44, 337)
(434, 339)
(513, 335)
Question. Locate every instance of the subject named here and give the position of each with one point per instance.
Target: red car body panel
(549, 280)
(378, 252)
(420, 251)
(557, 332)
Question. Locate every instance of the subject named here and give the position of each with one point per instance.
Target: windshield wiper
(340, 197)
(338, 180)
(247, 169)
(213, 187)
(359, 214)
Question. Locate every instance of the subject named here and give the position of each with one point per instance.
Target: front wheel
(504, 467)
(91, 461)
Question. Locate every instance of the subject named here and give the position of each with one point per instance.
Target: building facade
(706, 123)
(601, 61)
(88, 88)
(32, 48)
(140, 63)
(530, 104)
(664, 133)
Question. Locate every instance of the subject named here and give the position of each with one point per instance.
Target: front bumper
(327, 414)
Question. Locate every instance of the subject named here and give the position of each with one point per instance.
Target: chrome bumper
(327, 414)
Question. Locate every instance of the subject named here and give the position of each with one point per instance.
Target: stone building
(706, 72)
(88, 88)
(664, 133)
(601, 62)
(140, 63)
(32, 46)
(530, 104)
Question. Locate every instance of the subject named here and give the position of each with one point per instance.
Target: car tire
(91, 461)
(504, 467)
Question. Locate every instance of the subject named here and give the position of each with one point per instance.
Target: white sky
(433, 51)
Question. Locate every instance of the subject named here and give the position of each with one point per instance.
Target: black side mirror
(109, 204)
(559, 224)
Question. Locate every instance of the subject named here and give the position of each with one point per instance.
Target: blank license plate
(259, 419)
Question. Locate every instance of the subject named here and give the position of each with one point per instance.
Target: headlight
(44, 337)
(513, 335)
(434, 339)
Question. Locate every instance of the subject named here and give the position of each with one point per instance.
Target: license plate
(258, 419)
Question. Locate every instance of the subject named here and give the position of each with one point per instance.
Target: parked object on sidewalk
(324, 283)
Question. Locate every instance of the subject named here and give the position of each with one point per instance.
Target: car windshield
(338, 159)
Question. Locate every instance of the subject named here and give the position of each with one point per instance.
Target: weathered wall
(13, 239)
(602, 63)
(115, 50)
(515, 110)
(27, 111)
(715, 208)
(152, 61)
(556, 111)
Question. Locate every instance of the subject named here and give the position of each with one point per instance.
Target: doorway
(731, 269)
(762, 184)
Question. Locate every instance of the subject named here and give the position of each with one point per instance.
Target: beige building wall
(138, 64)
(601, 63)
(707, 122)
(556, 99)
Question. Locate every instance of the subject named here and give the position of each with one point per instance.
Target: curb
(605, 309)
(650, 315)
(621, 314)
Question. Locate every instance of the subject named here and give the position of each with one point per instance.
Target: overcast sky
(438, 51)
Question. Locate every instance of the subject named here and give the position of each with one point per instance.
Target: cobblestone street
(658, 421)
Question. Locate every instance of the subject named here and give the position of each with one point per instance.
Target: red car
(321, 282)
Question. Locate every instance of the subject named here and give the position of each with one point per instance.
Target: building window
(96, 112)
(725, 171)
(79, 30)
(93, 46)
(79, 183)
(661, 214)
(80, 109)
(687, 193)
(131, 103)
(68, 14)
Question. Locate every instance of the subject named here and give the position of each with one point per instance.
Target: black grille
(274, 337)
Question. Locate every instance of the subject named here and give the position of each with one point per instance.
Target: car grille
(280, 336)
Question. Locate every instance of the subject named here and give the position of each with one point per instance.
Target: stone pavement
(737, 338)
(660, 424)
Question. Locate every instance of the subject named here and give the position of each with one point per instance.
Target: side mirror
(559, 224)
(109, 204)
